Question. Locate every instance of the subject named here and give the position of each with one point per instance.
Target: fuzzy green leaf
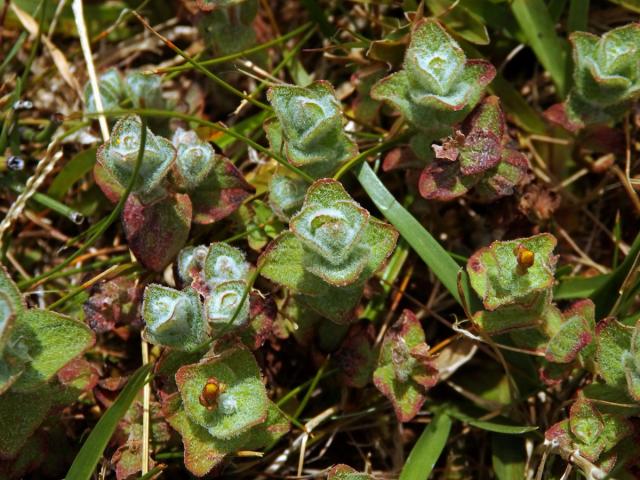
(52, 340)
(576, 332)
(405, 369)
(111, 88)
(118, 157)
(509, 272)
(309, 127)
(174, 319)
(224, 263)
(144, 90)
(438, 86)
(224, 300)
(613, 343)
(242, 405)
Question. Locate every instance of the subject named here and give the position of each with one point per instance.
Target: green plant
(226, 25)
(332, 247)
(515, 279)
(221, 407)
(405, 368)
(606, 78)
(589, 436)
(437, 86)
(308, 130)
(141, 89)
(38, 373)
(178, 182)
(477, 156)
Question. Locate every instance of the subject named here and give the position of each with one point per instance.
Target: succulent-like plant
(308, 130)
(332, 247)
(589, 436)
(178, 183)
(405, 368)
(437, 86)
(143, 90)
(221, 407)
(476, 156)
(111, 87)
(606, 77)
(35, 345)
(515, 279)
(226, 25)
(513, 272)
(215, 300)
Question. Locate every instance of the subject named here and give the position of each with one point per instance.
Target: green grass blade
(607, 295)
(633, 5)
(427, 450)
(538, 27)
(569, 288)
(578, 16)
(495, 427)
(89, 455)
(74, 170)
(430, 251)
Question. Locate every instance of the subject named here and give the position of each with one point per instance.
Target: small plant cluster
(606, 78)
(308, 130)
(257, 264)
(438, 86)
(141, 90)
(179, 182)
(39, 369)
(478, 157)
(227, 25)
(438, 92)
(333, 246)
(218, 404)
(515, 281)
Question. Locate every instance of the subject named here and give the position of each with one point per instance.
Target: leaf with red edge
(157, 231)
(220, 194)
(405, 370)
(576, 333)
(356, 357)
(443, 181)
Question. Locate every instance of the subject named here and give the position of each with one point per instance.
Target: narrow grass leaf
(89, 455)
(74, 170)
(430, 251)
(428, 448)
(490, 426)
(569, 288)
(538, 27)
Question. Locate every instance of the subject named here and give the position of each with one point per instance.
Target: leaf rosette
(221, 407)
(333, 246)
(514, 271)
(437, 86)
(606, 78)
(478, 156)
(405, 369)
(308, 127)
(116, 160)
(174, 318)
